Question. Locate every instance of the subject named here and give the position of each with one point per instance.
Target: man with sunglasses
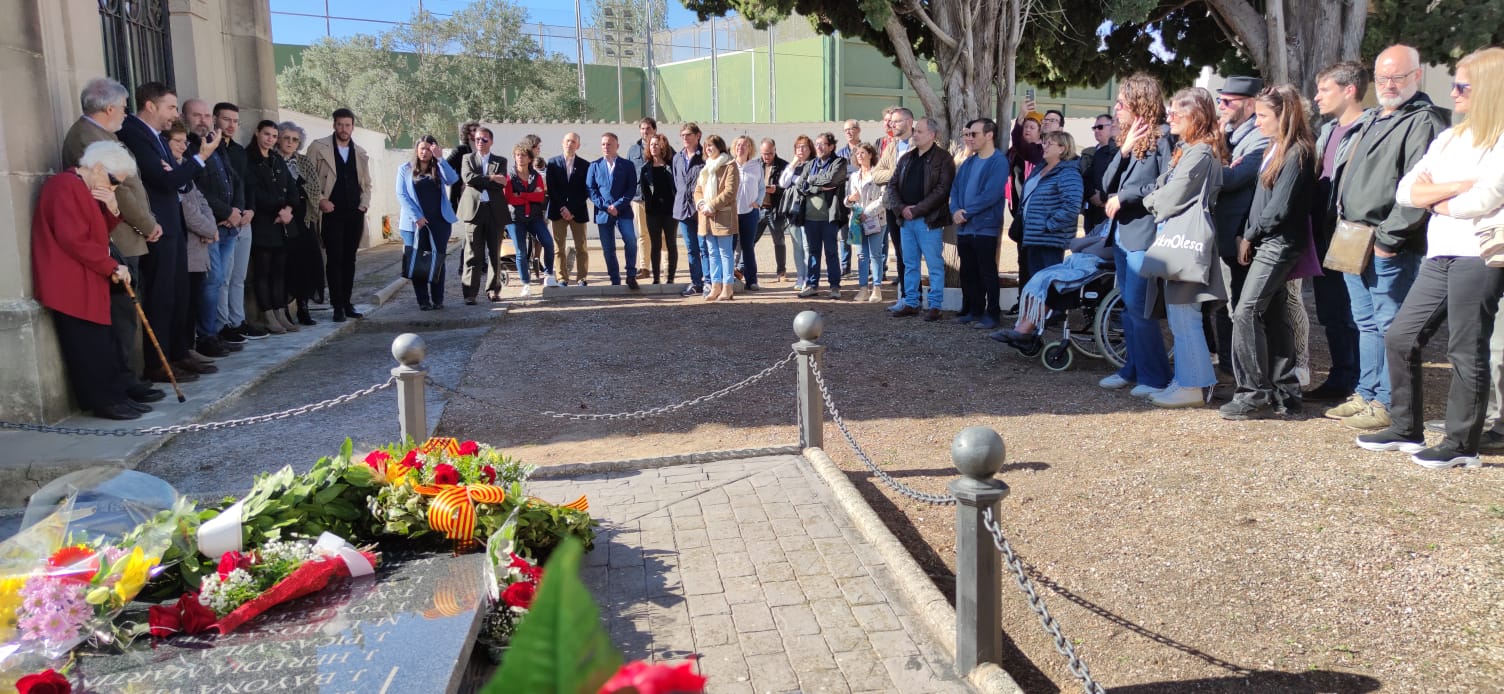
(1390, 142)
(484, 215)
(1245, 145)
(1094, 163)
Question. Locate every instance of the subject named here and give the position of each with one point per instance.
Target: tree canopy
(426, 76)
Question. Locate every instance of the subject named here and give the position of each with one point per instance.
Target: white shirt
(483, 161)
(749, 193)
(1451, 158)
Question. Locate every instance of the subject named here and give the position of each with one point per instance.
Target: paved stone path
(751, 564)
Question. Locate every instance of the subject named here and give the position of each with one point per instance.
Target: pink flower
(469, 448)
(643, 678)
(377, 459)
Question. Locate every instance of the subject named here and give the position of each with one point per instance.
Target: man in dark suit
(568, 194)
(464, 148)
(1094, 163)
(484, 214)
(612, 183)
(164, 269)
(103, 102)
(218, 183)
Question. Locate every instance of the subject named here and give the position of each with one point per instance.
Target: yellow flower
(137, 568)
(10, 603)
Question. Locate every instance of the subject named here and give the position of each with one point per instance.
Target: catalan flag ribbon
(452, 510)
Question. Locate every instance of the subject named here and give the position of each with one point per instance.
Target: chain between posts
(638, 414)
(1063, 645)
(901, 488)
(203, 426)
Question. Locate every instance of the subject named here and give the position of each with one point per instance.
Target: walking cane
(160, 356)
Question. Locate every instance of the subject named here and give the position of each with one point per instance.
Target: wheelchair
(1090, 322)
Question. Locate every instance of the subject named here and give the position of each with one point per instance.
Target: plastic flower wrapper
(89, 542)
(512, 583)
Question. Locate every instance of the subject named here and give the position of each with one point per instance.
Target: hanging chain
(835, 416)
(203, 426)
(1052, 627)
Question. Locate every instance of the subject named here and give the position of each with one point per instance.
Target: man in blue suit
(612, 183)
(164, 268)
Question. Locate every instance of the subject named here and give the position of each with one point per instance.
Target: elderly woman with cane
(74, 271)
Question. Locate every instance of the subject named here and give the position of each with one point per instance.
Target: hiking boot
(1375, 417)
(1443, 456)
(1355, 404)
(1386, 440)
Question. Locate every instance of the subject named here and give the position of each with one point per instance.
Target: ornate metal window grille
(137, 42)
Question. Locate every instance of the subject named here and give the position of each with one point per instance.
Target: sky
(290, 29)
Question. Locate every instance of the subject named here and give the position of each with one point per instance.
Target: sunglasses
(114, 181)
(1461, 87)
(1229, 101)
(1099, 127)
(483, 139)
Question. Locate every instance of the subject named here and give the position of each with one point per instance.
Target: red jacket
(527, 197)
(70, 249)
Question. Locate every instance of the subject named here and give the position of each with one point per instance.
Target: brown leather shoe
(905, 312)
(932, 315)
(191, 366)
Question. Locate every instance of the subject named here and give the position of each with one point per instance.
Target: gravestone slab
(410, 628)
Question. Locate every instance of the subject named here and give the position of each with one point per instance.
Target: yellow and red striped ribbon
(452, 510)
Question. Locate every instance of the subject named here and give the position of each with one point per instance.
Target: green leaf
(330, 494)
(347, 449)
(560, 647)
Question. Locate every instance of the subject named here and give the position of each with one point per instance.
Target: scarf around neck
(708, 176)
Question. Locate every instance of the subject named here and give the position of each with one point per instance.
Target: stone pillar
(48, 50)
(978, 453)
(412, 410)
(808, 326)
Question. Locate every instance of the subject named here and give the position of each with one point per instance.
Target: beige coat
(723, 207)
(136, 220)
(321, 153)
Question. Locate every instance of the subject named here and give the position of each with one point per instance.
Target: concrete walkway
(753, 565)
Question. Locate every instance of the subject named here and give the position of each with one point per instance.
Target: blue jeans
(801, 254)
(524, 252)
(221, 261)
(232, 283)
(1193, 359)
(921, 241)
(824, 239)
(872, 260)
(746, 238)
(1335, 313)
(1376, 296)
(721, 252)
(538, 232)
(690, 232)
(608, 247)
(1148, 364)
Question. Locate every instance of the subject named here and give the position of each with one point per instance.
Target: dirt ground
(1180, 552)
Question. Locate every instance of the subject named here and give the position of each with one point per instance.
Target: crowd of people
(165, 210)
(1210, 209)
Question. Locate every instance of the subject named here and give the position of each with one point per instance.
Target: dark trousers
(823, 239)
(746, 239)
(1464, 294)
(895, 238)
(662, 230)
(125, 324)
(92, 357)
(342, 231)
(196, 295)
(164, 297)
(772, 221)
(1335, 312)
(1032, 259)
(979, 292)
(1236, 274)
(1263, 342)
(480, 250)
(270, 281)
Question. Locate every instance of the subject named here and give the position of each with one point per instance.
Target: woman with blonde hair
(1263, 345)
(426, 219)
(715, 200)
(748, 198)
(1461, 180)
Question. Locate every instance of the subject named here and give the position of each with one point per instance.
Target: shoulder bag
(1185, 246)
(1352, 243)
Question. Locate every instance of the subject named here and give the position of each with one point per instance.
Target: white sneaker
(549, 281)
(527, 290)
(1143, 391)
(1113, 382)
(1179, 397)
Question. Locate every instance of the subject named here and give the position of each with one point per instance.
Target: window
(137, 45)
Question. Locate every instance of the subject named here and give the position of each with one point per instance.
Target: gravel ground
(1180, 552)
